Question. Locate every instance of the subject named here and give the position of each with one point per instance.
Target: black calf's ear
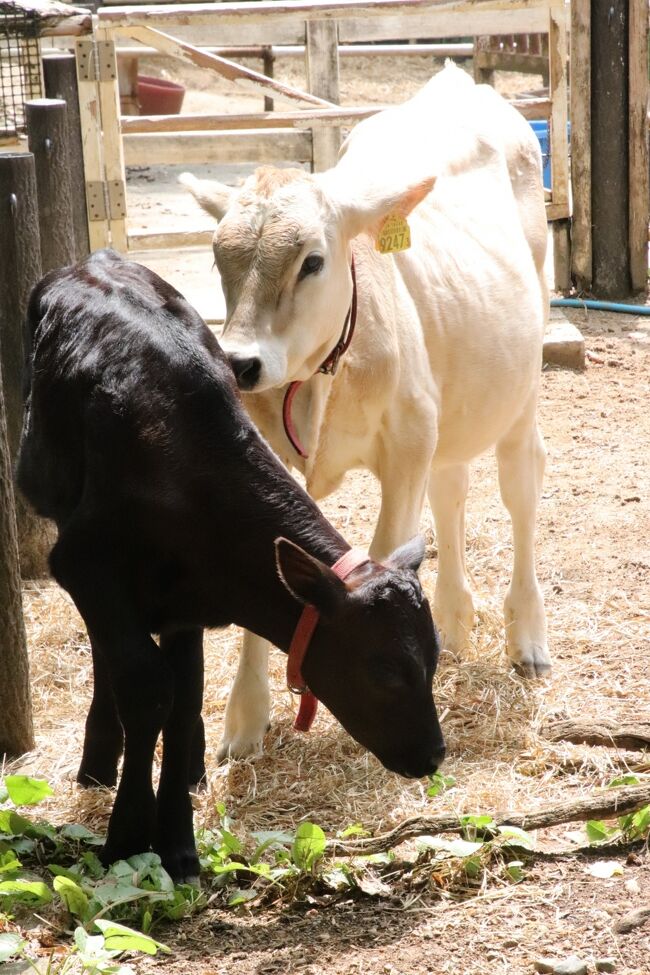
(308, 579)
(407, 556)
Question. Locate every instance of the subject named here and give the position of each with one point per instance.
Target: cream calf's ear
(366, 210)
(215, 198)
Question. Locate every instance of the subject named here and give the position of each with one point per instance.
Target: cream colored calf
(446, 357)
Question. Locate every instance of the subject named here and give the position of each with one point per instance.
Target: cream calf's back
(453, 126)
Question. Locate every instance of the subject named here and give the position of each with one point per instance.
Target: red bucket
(159, 97)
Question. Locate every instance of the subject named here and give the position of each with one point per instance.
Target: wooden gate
(308, 129)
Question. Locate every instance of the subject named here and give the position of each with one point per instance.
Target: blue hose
(600, 305)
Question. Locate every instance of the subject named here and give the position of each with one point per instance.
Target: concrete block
(564, 346)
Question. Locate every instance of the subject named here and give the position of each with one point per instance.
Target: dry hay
(491, 717)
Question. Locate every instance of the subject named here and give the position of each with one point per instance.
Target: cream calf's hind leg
(521, 458)
(453, 607)
(247, 711)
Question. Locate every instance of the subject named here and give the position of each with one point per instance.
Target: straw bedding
(594, 567)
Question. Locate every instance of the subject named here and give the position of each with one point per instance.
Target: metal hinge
(116, 199)
(96, 61)
(96, 200)
(106, 201)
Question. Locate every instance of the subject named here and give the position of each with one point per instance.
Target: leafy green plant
(439, 783)
(483, 843)
(277, 859)
(632, 826)
(94, 953)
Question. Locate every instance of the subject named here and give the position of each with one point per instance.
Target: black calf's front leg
(183, 755)
(104, 738)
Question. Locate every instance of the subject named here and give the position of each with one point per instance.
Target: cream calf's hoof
(526, 643)
(454, 616)
(532, 660)
(248, 745)
(244, 731)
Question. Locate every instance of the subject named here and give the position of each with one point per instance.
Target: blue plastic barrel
(541, 131)
(540, 128)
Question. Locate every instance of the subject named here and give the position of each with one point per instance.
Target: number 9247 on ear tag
(394, 235)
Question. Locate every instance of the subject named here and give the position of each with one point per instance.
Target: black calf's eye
(311, 265)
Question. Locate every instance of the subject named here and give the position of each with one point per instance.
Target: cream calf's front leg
(453, 607)
(521, 458)
(247, 711)
(402, 498)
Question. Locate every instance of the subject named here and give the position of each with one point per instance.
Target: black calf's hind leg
(144, 694)
(182, 740)
(133, 666)
(104, 738)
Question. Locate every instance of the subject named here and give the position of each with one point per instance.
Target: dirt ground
(594, 567)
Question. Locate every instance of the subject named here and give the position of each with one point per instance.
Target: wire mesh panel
(20, 67)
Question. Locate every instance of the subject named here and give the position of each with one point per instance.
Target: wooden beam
(557, 54)
(322, 69)
(145, 240)
(56, 18)
(581, 143)
(558, 142)
(270, 11)
(245, 78)
(638, 143)
(114, 174)
(60, 74)
(533, 108)
(610, 149)
(451, 50)
(322, 118)
(195, 148)
(90, 120)
(47, 133)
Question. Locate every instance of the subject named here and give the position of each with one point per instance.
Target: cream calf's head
(282, 248)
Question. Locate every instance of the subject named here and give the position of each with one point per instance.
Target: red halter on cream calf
(328, 367)
(300, 641)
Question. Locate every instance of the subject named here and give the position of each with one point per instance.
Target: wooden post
(109, 97)
(61, 82)
(16, 731)
(91, 136)
(610, 204)
(268, 60)
(322, 63)
(47, 132)
(558, 143)
(638, 163)
(482, 75)
(581, 143)
(20, 269)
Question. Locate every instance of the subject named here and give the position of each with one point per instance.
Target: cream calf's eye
(311, 265)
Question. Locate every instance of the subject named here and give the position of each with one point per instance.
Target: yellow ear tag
(394, 235)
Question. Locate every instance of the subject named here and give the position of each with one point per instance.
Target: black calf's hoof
(182, 866)
(96, 778)
(199, 787)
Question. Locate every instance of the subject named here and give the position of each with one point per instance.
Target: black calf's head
(373, 655)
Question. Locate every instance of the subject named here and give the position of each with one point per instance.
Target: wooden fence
(309, 128)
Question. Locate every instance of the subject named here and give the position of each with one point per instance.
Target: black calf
(171, 510)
